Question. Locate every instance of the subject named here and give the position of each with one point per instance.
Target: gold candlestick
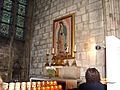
(47, 63)
(53, 60)
(67, 63)
(74, 61)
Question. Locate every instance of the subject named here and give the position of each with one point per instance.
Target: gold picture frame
(63, 36)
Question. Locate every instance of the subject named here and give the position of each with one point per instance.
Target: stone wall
(12, 50)
(94, 19)
(4, 56)
(8, 55)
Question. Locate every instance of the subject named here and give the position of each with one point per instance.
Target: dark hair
(92, 75)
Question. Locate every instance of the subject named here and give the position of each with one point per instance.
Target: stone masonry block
(37, 27)
(45, 35)
(63, 11)
(96, 16)
(94, 6)
(78, 19)
(53, 9)
(77, 1)
(68, 3)
(84, 17)
(71, 8)
(60, 6)
(80, 26)
(55, 14)
(91, 1)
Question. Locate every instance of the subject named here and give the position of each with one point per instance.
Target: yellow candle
(60, 87)
(43, 84)
(38, 88)
(33, 85)
(28, 85)
(42, 88)
(38, 85)
(55, 82)
(56, 87)
(6, 86)
(47, 88)
(53, 51)
(51, 83)
(48, 83)
(17, 86)
(23, 85)
(11, 86)
(51, 88)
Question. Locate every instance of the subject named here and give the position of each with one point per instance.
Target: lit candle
(75, 48)
(11, 86)
(60, 87)
(43, 84)
(47, 88)
(42, 88)
(6, 86)
(17, 86)
(33, 85)
(51, 83)
(56, 87)
(23, 85)
(48, 83)
(55, 82)
(51, 87)
(28, 85)
(53, 51)
(38, 85)
(67, 49)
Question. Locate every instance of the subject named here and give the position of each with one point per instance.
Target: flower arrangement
(51, 71)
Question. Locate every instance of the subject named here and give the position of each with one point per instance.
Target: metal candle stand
(67, 63)
(74, 61)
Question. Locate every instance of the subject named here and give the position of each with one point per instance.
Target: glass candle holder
(28, 85)
(51, 87)
(60, 87)
(54, 82)
(23, 86)
(47, 88)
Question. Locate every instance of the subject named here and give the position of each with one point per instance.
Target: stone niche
(69, 72)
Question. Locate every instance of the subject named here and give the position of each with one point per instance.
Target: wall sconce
(98, 47)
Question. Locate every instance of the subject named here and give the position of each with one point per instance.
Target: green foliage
(51, 72)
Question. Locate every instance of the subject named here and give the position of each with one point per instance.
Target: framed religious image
(63, 36)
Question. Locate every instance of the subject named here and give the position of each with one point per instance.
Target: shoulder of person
(82, 84)
(91, 84)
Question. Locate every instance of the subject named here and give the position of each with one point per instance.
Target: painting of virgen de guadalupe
(63, 35)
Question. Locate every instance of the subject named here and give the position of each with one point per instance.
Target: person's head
(92, 75)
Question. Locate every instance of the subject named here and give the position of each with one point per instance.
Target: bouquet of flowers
(51, 71)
